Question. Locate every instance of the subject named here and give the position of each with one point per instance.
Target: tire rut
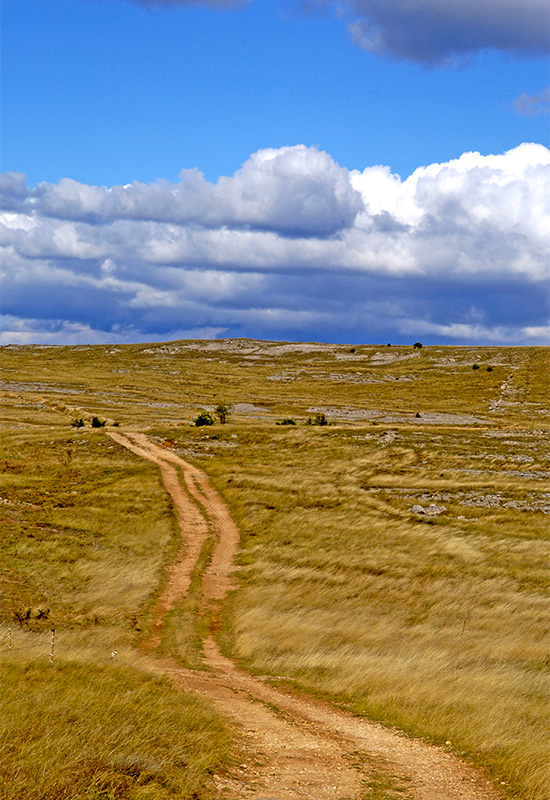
(293, 747)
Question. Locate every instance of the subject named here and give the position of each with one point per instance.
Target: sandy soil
(293, 747)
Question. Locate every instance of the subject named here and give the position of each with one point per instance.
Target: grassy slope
(436, 624)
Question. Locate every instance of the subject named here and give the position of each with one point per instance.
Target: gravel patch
(390, 358)
(249, 408)
(426, 418)
(433, 510)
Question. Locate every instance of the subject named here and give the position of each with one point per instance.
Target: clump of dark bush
(287, 422)
(417, 415)
(25, 617)
(417, 345)
(203, 418)
(389, 344)
(78, 423)
(318, 419)
(489, 369)
(352, 349)
(98, 423)
(475, 366)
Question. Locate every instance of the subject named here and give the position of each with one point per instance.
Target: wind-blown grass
(87, 532)
(71, 544)
(437, 625)
(86, 732)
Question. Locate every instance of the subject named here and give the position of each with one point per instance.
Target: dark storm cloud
(439, 32)
(431, 32)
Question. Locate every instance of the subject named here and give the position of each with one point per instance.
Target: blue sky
(307, 240)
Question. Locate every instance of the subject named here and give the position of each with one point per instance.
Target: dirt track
(293, 748)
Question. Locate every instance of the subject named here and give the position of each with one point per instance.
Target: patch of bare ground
(426, 418)
(292, 746)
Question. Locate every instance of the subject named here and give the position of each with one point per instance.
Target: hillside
(392, 561)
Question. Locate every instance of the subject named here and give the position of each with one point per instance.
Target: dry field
(393, 561)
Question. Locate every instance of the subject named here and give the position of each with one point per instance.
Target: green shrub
(203, 418)
(287, 422)
(319, 419)
(98, 423)
(78, 423)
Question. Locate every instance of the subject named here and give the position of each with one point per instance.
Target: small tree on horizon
(222, 410)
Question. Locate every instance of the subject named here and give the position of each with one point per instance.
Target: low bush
(203, 418)
(318, 419)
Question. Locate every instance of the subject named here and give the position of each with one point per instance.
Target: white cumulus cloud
(298, 190)
(292, 242)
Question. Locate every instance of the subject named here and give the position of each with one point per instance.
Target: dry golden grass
(163, 383)
(87, 532)
(89, 732)
(70, 501)
(435, 624)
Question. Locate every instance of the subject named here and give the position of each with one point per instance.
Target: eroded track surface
(293, 748)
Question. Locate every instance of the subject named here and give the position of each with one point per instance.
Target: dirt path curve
(294, 747)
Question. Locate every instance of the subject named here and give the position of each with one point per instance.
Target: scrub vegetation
(393, 554)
